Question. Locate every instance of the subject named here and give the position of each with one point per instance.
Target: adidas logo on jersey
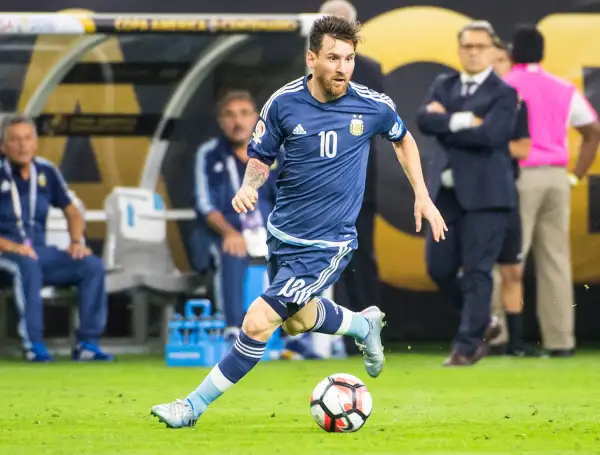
(299, 130)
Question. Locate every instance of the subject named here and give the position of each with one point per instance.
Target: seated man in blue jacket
(28, 187)
(220, 166)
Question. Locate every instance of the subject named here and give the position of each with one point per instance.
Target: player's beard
(332, 90)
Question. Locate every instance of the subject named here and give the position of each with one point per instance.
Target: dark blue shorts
(512, 248)
(298, 273)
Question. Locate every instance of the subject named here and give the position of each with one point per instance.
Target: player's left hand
(244, 199)
(424, 208)
(435, 107)
(78, 250)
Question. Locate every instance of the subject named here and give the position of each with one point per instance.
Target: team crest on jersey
(42, 180)
(259, 131)
(357, 127)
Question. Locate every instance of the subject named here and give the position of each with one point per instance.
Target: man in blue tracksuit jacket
(28, 187)
(220, 166)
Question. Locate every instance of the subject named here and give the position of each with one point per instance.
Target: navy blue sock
(337, 320)
(241, 358)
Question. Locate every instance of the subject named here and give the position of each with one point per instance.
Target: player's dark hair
(230, 95)
(337, 28)
(12, 120)
(478, 26)
(528, 45)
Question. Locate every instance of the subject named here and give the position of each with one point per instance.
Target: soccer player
(325, 123)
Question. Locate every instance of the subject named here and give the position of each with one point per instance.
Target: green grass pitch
(501, 406)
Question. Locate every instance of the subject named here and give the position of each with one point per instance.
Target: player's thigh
(261, 320)
(264, 314)
(302, 273)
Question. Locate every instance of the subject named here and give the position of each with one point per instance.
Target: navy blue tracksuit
(477, 205)
(215, 188)
(43, 189)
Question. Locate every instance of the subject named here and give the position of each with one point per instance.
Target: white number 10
(328, 144)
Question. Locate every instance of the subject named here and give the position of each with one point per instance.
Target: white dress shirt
(463, 120)
(469, 85)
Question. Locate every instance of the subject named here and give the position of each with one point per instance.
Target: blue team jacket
(217, 176)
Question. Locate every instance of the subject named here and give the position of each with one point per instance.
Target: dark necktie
(469, 88)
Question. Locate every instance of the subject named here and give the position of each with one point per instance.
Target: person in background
(471, 114)
(510, 276)
(29, 185)
(360, 279)
(234, 238)
(545, 183)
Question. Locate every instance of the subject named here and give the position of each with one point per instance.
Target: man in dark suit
(361, 279)
(471, 115)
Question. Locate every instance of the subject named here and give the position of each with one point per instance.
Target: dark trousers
(462, 265)
(229, 285)
(55, 268)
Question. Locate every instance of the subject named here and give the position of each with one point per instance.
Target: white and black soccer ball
(341, 403)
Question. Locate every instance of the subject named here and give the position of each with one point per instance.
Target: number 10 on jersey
(328, 144)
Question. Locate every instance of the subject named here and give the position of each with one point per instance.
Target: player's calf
(303, 321)
(259, 324)
(336, 320)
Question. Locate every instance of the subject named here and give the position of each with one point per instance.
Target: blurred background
(103, 102)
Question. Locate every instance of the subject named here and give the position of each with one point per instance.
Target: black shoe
(561, 352)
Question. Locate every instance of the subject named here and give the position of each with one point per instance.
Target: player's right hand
(25, 250)
(245, 199)
(425, 208)
(234, 244)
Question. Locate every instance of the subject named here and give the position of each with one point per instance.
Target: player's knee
(512, 274)
(260, 321)
(299, 323)
(293, 326)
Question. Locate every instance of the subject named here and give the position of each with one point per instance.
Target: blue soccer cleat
(371, 347)
(86, 351)
(178, 414)
(38, 354)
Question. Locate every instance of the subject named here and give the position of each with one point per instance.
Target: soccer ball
(341, 403)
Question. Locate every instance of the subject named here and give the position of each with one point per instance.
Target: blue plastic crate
(195, 340)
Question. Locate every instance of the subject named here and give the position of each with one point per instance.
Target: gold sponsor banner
(428, 34)
(119, 158)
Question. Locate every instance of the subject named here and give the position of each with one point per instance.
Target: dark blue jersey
(44, 188)
(322, 181)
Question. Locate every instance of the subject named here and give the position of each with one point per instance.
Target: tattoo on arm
(256, 174)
